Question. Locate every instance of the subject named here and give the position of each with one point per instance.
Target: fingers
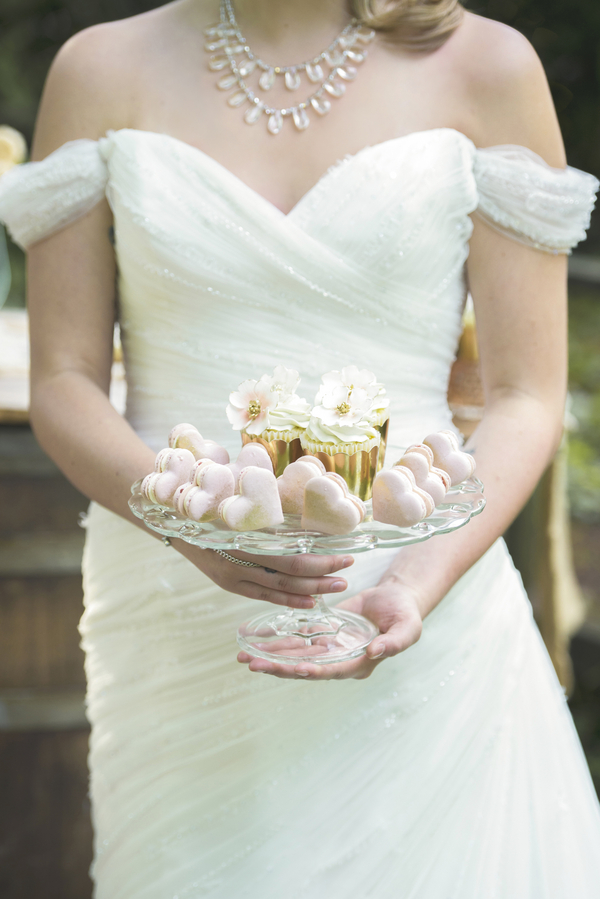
(305, 565)
(255, 590)
(355, 668)
(305, 586)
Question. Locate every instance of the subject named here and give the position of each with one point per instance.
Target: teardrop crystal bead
(333, 58)
(215, 45)
(275, 123)
(253, 114)
(314, 72)
(216, 63)
(365, 35)
(335, 88)
(247, 67)
(232, 49)
(226, 82)
(321, 105)
(213, 30)
(348, 73)
(267, 79)
(346, 40)
(301, 119)
(237, 99)
(356, 56)
(292, 80)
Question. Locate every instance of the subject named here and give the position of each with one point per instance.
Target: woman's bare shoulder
(97, 78)
(506, 94)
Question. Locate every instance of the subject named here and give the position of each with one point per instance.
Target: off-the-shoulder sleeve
(39, 198)
(528, 200)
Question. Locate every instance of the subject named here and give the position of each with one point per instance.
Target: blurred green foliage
(584, 378)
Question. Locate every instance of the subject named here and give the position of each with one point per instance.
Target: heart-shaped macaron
(172, 468)
(211, 483)
(397, 499)
(186, 436)
(448, 455)
(294, 479)
(257, 505)
(432, 480)
(252, 455)
(329, 507)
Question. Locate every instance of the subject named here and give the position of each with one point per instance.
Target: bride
(444, 763)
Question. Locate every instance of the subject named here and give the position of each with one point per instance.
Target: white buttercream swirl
(357, 433)
(293, 413)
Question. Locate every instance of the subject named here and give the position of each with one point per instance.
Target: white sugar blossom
(342, 406)
(249, 405)
(284, 382)
(352, 378)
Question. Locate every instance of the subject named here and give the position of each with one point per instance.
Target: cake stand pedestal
(321, 635)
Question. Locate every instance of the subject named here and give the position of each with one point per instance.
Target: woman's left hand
(393, 607)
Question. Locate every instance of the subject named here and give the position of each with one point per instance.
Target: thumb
(397, 638)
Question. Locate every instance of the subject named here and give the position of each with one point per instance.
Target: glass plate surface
(460, 505)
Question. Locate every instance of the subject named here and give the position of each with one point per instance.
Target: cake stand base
(319, 635)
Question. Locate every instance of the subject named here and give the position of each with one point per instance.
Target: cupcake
(340, 432)
(379, 416)
(270, 412)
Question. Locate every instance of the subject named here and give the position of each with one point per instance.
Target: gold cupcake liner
(281, 452)
(382, 428)
(313, 447)
(357, 469)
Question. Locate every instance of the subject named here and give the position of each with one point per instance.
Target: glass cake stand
(320, 635)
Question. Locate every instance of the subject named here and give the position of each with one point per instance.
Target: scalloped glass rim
(462, 503)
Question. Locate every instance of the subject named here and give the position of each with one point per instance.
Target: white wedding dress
(454, 772)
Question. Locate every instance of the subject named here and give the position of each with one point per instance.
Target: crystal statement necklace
(329, 70)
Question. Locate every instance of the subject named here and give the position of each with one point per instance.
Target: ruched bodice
(217, 285)
(454, 771)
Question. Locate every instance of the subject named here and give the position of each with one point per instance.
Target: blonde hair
(417, 24)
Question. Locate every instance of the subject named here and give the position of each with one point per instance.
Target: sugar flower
(350, 377)
(341, 406)
(250, 404)
(284, 382)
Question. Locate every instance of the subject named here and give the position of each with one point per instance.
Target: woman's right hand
(283, 580)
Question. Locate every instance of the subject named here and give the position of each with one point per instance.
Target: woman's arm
(520, 302)
(71, 298)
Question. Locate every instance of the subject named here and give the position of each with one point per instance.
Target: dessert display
(329, 507)
(187, 437)
(252, 455)
(257, 505)
(306, 467)
(270, 412)
(397, 500)
(448, 456)
(171, 469)
(294, 479)
(342, 432)
(210, 483)
(419, 459)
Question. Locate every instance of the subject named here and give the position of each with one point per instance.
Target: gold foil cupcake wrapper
(280, 452)
(357, 469)
(383, 432)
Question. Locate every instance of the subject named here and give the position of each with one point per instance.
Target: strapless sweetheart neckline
(241, 184)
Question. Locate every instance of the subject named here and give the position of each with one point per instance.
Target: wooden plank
(30, 504)
(42, 710)
(45, 828)
(41, 553)
(39, 640)
(20, 454)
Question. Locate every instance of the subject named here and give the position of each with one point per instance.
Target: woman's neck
(290, 24)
